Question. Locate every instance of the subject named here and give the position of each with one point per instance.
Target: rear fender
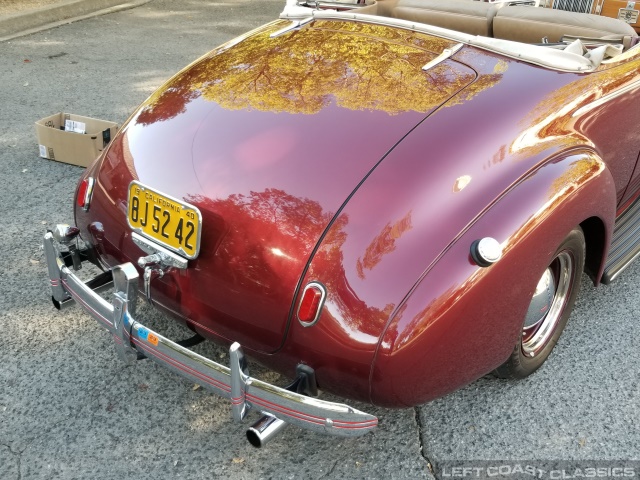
(460, 321)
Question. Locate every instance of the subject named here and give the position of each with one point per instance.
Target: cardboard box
(73, 139)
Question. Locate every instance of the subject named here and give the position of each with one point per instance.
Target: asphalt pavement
(20, 19)
(69, 409)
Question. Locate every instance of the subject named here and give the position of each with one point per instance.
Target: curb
(70, 11)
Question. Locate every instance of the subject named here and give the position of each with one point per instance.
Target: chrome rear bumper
(231, 382)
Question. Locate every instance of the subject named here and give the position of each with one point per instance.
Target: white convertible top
(570, 59)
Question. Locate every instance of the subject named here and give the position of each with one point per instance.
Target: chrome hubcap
(547, 304)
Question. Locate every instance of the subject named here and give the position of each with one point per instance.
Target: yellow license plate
(171, 222)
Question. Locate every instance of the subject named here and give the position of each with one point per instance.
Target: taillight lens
(311, 304)
(85, 190)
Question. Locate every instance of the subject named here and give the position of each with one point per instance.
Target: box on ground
(73, 139)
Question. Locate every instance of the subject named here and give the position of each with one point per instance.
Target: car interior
(502, 20)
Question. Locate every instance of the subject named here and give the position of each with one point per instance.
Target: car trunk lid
(269, 137)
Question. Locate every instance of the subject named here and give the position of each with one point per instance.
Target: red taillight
(311, 304)
(85, 189)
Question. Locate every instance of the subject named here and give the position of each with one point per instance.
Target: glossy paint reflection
(467, 161)
(354, 66)
(268, 139)
(584, 115)
(327, 154)
(449, 328)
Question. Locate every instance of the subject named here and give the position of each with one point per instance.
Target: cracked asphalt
(69, 409)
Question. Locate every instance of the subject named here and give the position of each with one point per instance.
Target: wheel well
(594, 235)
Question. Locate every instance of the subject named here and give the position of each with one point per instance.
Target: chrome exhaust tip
(264, 430)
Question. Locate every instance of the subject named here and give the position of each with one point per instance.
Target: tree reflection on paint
(553, 120)
(268, 238)
(383, 244)
(354, 65)
(167, 103)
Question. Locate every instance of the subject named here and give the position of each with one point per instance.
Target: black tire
(556, 293)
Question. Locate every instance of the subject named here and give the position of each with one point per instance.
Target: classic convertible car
(385, 202)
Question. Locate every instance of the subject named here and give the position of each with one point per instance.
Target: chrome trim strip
(238, 382)
(623, 267)
(54, 264)
(97, 306)
(169, 258)
(91, 183)
(125, 284)
(446, 53)
(232, 382)
(292, 26)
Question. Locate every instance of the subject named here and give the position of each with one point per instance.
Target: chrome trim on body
(165, 256)
(234, 382)
(292, 26)
(86, 201)
(446, 53)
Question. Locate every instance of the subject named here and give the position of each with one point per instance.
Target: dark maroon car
(385, 202)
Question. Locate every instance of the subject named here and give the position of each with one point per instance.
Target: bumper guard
(233, 382)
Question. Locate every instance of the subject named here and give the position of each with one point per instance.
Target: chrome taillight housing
(85, 190)
(311, 304)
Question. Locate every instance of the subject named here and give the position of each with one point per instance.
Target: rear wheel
(549, 309)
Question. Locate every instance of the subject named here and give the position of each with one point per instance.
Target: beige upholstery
(369, 9)
(474, 18)
(385, 7)
(519, 23)
(531, 25)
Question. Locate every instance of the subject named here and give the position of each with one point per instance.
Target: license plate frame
(177, 234)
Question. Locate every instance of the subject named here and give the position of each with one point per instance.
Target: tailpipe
(264, 430)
